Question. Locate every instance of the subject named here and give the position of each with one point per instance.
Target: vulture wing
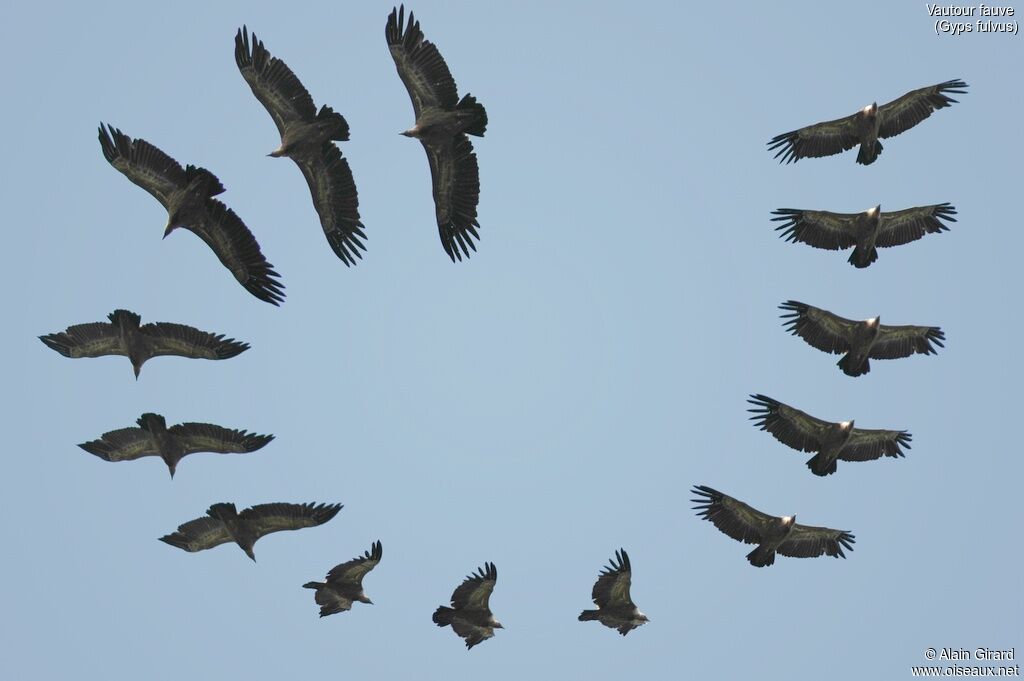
(904, 113)
(820, 328)
(788, 425)
(867, 445)
(205, 437)
(731, 516)
(420, 66)
(894, 342)
(820, 139)
(353, 571)
(456, 182)
(198, 535)
(805, 541)
(475, 591)
(612, 587)
(903, 226)
(267, 518)
(94, 339)
(818, 228)
(126, 444)
(273, 83)
(336, 200)
(186, 341)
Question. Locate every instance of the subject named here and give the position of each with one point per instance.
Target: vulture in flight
(771, 534)
(187, 195)
(470, 614)
(864, 231)
(124, 336)
(344, 583)
(154, 438)
(307, 137)
(222, 523)
(830, 442)
(858, 342)
(442, 123)
(616, 610)
(866, 127)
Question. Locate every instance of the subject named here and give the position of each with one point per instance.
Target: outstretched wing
(820, 139)
(731, 516)
(818, 228)
(273, 83)
(456, 183)
(166, 338)
(820, 328)
(125, 444)
(611, 590)
(198, 535)
(473, 633)
(205, 437)
(788, 425)
(894, 342)
(903, 226)
(867, 445)
(94, 339)
(353, 571)
(904, 113)
(475, 591)
(267, 518)
(805, 541)
(336, 201)
(420, 66)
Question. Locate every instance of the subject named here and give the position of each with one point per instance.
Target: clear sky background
(541, 405)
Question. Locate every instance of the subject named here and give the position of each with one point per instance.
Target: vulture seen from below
(858, 341)
(124, 336)
(442, 123)
(186, 194)
(616, 610)
(344, 583)
(470, 614)
(771, 534)
(307, 137)
(866, 127)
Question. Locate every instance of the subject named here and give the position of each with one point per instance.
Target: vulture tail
(867, 155)
(861, 258)
(222, 511)
(205, 182)
(313, 585)
(818, 466)
(589, 615)
(479, 124)
(152, 422)
(443, 616)
(850, 369)
(125, 319)
(761, 557)
(333, 123)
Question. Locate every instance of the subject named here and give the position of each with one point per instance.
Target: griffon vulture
(470, 614)
(864, 231)
(124, 336)
(307, 137)
(442, 123)
(771, 534)
(858, 341)
(186, 194)
(616, 609)
(154, 438)
(830, 441)
(866, 127)
(222, 523)
(345, 583)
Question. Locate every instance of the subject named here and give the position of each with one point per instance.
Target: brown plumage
(610, 594)
(470, 615)
(344, 583)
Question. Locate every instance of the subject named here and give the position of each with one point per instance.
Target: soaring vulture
(307, 138)
(186, 194)
(442, 123)
(345, 583)
(829, 441)
(858, 341)
(124, 336)
(222, 523)
(470, 614)
(154, 438)
(866, 126)
(771, 534)
(864, 231)
(616, 609)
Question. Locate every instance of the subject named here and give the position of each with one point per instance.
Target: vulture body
(830, 442)
(154, 438)
(344, 583)
(866, 127)
(307, 137)
(865, 231)
(858, 342)
(442, 123)
(771, 534)
(616, 609)
(223, 523)
(470, 615)
(125, 336)
(187, 195)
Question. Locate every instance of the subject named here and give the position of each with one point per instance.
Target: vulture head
(870, 110)
(873, 323)
(846, 425)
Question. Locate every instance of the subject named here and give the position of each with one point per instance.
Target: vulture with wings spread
(867, 126)
(154, 438)
(223, 523)
(187, 195)
(124, 336)
(858, 341)
(864, 231)
(345, 583)
(616, 609)
(771, 534)
(470, 614)
(442, 123)
(829, 441)
(307, 137)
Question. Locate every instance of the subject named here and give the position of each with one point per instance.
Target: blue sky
(541, 405)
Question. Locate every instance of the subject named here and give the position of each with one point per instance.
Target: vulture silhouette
(470, 615)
